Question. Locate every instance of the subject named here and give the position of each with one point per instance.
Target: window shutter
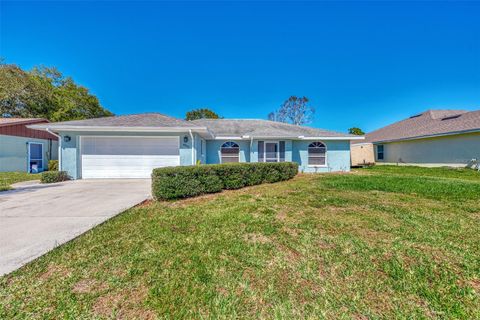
(260, 151)
(282, 151)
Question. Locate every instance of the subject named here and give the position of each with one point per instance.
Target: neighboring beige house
(431, 138)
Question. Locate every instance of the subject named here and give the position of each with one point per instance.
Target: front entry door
(35, 157)
(271, 151)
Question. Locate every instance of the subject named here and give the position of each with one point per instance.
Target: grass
(377, 243)
(9, 178)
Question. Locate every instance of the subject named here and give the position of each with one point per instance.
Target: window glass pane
(380, 152)
(271, 151)
(35, 151)
(260, 151)
(316, 161)
(282, 151)
(317, 150)
(317, 154)
(230, 150)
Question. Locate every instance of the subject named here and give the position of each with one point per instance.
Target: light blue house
(131, 146)
(23, 149)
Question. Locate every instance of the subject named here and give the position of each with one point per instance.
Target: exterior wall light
(67, 138)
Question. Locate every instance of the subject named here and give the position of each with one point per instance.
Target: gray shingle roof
(263, 128)
(144, 120)
(217, 127)
(428, 123)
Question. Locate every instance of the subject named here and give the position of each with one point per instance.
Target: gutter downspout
(193, 147)
(59, 148)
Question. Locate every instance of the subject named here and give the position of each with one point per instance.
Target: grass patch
(9, 178)
(442, 172)
(317, 246)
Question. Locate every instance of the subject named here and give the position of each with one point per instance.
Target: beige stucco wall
(454, 150)
(361, 154)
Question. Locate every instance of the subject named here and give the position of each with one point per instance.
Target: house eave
(118, 129)
(285, 137)
(331, 138)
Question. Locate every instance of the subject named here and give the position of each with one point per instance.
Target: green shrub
(54, 176)
(190, 181)
(52, 165)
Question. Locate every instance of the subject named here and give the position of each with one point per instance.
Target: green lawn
(385, 243)
(8, 178)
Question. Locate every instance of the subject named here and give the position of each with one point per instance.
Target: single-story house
(431, 138)
(130, 146)
(24, 149)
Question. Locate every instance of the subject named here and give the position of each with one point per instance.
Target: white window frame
(30, 159)
(237, 155)
(265, 149)
(308, 156)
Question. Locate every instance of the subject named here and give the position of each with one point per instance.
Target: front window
(230, 152)
(317, 154)
(380, 153)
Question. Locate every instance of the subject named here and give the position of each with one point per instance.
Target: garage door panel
(135, 161)
(130, 146)
(127, 157)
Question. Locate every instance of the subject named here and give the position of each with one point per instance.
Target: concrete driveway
(36, 218)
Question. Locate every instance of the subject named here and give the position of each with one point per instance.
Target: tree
(356, 131)
(294, 110)
(45, 93)
(201, 114)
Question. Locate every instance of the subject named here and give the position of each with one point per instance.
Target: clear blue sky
(361, 64)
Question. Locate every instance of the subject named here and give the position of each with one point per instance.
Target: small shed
(362, 154)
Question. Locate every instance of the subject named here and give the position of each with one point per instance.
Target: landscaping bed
(377, 243)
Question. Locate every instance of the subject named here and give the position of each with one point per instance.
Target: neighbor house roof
(255, 128)
(15, 121)
(133, 122)
(18, 127)
(428, 124)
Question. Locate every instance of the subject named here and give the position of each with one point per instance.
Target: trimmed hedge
(54, 176)
(52, 165)
(190, 181)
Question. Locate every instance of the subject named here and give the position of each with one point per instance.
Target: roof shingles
(143, 120)
(428, 123)
(263, 129)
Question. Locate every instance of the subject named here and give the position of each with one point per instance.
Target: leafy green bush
(190, 181)
(54, 176)
(52, 165)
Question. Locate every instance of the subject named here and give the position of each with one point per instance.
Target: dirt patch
(126, 304)
(145, 203)
(54, 270)
(257, 238)
(291, 254)
(88, 285)
(475, 284)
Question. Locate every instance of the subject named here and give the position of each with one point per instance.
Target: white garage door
(127, 157)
